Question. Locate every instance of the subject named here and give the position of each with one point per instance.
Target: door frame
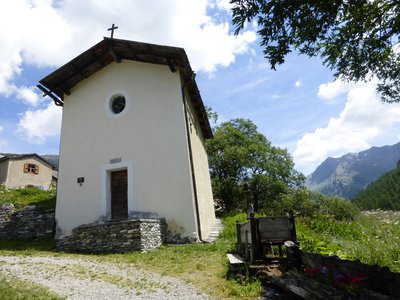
(106, 186)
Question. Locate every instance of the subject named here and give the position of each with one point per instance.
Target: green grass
(372, 237)
(22, 197)
(26, 246)
(12, 288)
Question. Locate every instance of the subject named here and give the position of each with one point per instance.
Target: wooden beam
(113, 54)
(78, 71)
(171, 66)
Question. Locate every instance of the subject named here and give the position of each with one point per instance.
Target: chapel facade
(132, 140)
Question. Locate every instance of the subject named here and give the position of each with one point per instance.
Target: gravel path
(78, 279)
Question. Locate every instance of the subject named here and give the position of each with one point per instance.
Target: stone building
(21, 170)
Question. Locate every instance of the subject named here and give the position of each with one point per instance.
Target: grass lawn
(14, 289)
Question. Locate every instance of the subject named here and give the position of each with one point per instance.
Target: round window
(117, 103)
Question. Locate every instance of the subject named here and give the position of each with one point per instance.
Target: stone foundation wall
(117, 236)
(30, 222)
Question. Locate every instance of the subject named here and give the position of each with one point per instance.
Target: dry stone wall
(119, 236)
(28, 223)
(143, 234)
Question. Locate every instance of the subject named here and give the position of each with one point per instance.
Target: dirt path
(78, 279)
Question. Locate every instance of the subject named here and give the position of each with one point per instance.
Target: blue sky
(299, 107)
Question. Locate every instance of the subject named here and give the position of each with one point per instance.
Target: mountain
(51, 158)
(381, 194)
(347, 175)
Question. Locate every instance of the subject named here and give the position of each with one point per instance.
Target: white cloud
(331, 90)
(224, 4)
(363, 120)
(37, 125)
(28, 95)
(50, 33)
(47, 33)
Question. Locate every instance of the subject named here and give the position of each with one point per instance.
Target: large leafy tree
(358, 39)
(239, 154)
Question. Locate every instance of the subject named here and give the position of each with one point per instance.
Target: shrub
(339, 208)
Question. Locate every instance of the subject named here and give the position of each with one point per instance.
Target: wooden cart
(258, 235)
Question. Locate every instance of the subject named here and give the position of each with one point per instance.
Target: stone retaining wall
(117, 236)
(30, 222)
(141, 234)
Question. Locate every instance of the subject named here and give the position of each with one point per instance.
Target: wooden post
(254, 238)
(293, 254)
(239, 246)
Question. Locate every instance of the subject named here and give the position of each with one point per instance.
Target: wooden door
(119, 194)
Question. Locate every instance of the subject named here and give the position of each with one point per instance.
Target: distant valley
(347, 175)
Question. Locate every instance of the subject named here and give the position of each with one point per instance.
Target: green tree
(239, 154)
(384, 193)
(355, 38)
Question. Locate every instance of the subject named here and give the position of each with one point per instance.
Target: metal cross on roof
(112, 30)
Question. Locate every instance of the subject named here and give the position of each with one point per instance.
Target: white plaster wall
(148, 138)
(17, 178)
(202, 174)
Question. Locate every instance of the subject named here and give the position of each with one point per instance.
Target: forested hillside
(382, 194)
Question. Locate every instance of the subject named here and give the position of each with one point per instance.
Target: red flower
(358, 278)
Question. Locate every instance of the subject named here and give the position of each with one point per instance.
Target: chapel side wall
(3, 172)
(17, 178)
(148, 138)
(202, 173)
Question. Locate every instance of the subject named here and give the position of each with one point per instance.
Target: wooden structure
(257, 236)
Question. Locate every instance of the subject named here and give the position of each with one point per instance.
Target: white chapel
(132, 140)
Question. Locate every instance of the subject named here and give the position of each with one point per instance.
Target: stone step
(235, 259)
(214, 232)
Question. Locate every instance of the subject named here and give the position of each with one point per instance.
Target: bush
(339, 208)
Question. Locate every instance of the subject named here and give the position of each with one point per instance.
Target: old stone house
(133, 139)
(21, 170)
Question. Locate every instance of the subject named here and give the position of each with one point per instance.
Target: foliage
(356, 39)
(339, 208)
(305, 203)
(14, 289)
(381, 194)
(379, 243)
(299, 201)
(240, 154)
(22, 197)
(373, 237)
